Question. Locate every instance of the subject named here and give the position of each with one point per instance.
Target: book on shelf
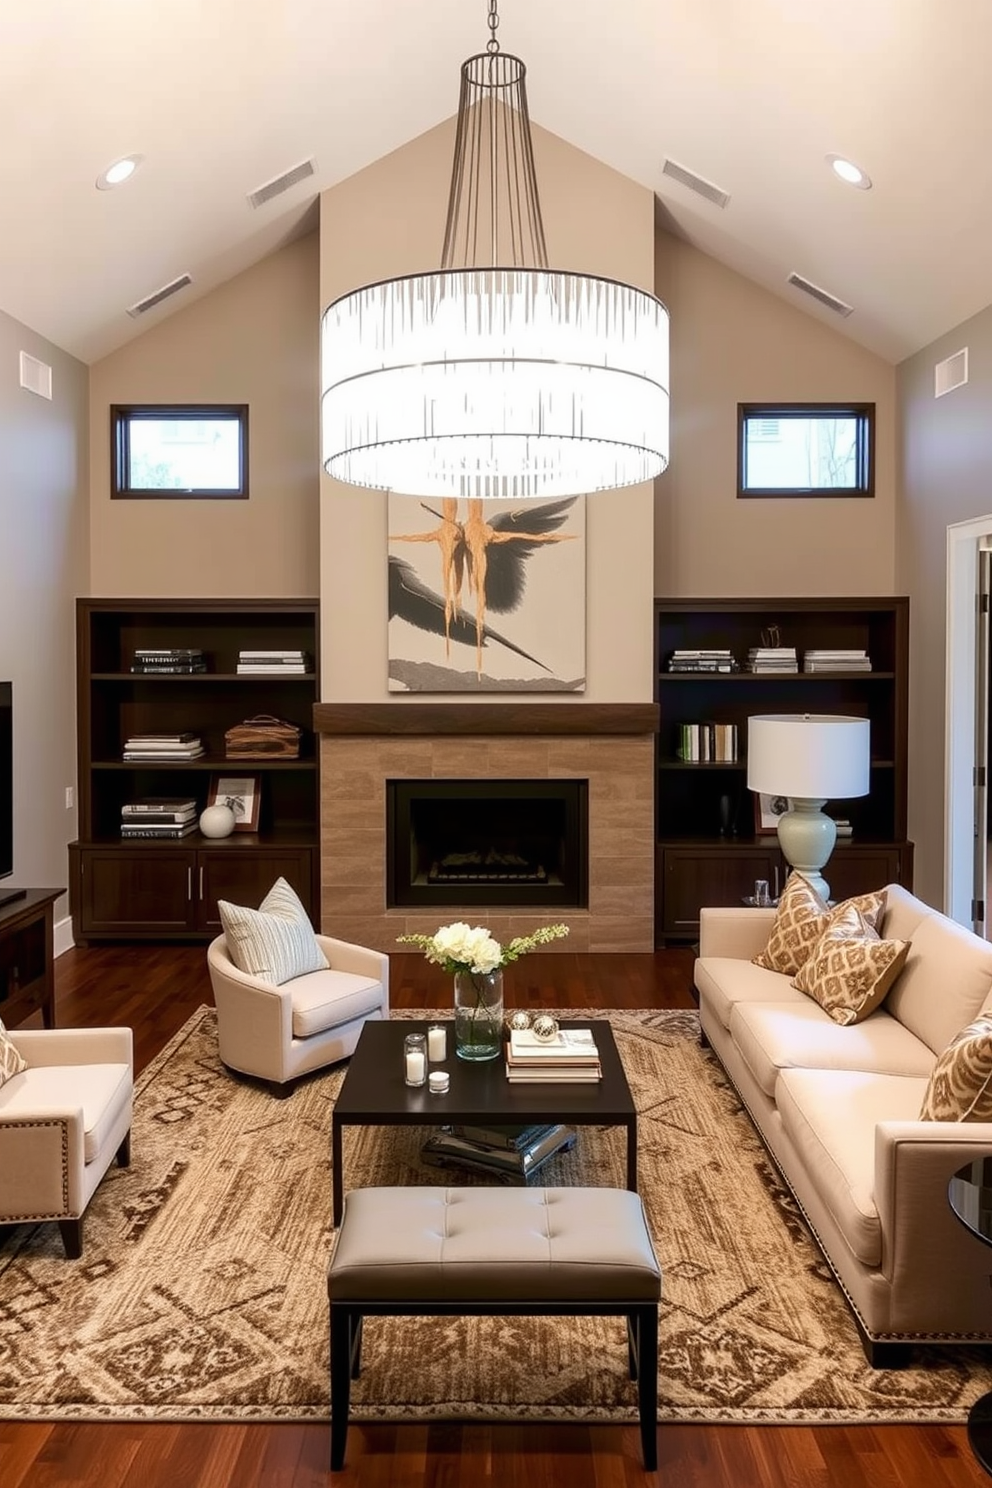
(162, 756)
(712, 743)
(167, 668)
(133, 740)
(714, 660)
(147, 805)
(151, 745)
(163, 831)
(158, 818)
(818, 659)
(256, 653)
(168, 653)
(844, 828)
(271, 669)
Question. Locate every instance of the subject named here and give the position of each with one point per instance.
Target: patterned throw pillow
(274, 942)
(850, 968)
(960, 1087)
(11, 1062)
(801, 919)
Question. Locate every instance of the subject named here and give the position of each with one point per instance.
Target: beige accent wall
(254, 340)
(733, 342)
(44, 557)
(946, 477)
(389, 220)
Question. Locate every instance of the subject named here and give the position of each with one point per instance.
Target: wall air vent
(282, 183)
(839, 307)
(699, 184)
(951, 373)
(36, 376)
(141, 307)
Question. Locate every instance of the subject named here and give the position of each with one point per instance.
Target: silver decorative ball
(545, 1028)
(520, 1020)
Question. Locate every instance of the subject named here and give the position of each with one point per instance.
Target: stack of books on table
(183, 660)
(272, 663)
(163, 817)
(510, 1154)
(721, 660)
(571, 1055)
(152, 749)
(824, 660)
(772, 659)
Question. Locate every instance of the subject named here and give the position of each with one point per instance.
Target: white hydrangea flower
(487, 955)
(450, 941)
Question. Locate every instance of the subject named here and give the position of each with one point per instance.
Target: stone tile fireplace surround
(611, 745)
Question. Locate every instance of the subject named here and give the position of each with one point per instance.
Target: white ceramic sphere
(217, 821)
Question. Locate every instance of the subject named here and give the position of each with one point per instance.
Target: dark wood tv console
(27, 957)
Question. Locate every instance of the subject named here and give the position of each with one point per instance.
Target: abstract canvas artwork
(486, 596)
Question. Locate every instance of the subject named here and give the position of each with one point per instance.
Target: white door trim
(963, 542)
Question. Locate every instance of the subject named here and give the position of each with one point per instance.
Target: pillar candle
(415, 1067)
(437, 1045)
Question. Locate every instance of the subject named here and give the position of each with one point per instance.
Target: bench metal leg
(345, 1326)
(645, 1321)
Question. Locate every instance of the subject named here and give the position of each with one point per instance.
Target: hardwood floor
(155, 990)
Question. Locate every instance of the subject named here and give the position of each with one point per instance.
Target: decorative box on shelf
(263, 737)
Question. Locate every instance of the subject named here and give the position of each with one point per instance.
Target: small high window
(165, 451)
(806, 449)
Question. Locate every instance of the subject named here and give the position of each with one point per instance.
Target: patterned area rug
(201, 1293)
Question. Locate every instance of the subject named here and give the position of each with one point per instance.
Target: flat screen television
(7, 791)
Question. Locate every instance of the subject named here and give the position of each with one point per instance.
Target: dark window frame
(863, 412)
(123, 415)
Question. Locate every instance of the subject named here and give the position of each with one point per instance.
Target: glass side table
(969, 1194)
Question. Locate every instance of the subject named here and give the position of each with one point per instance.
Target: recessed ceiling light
(849, 172)
(118, 172)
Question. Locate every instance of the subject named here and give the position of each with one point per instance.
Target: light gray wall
(44, 564)
(945, 477)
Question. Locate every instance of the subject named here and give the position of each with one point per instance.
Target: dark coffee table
(374, 1093)
(969, 1194)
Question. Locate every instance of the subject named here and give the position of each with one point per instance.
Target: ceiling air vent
(282, 183)
(699, 184)
(951, 373)
(840, 307)
(141, 307)
(36, 376)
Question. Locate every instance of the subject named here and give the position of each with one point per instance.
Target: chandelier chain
(492, 45)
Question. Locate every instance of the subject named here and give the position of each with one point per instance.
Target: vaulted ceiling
(221, 96)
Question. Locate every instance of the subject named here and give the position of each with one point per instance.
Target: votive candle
(415, 1059)
(437, 1043)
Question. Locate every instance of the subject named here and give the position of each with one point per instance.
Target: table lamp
(810, 758)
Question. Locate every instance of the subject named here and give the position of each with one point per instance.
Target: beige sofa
(838, 1108)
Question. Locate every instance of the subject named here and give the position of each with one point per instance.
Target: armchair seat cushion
(101, 1091)
(326, 999)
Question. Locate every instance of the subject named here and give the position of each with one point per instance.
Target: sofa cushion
(902, 913)
(944, 984)
(275, 942)
(328, 999)
(800, 920)
(101, 1091)
(11, 1062)
(771, 1037)
(830, 1118)
(850, 968)
(960, 1087)
(723, 981)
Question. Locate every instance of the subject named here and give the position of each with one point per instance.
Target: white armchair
(280, 1032)
(62, 1121)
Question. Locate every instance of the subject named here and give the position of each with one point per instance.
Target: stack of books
(844, 828)
(771, 659)
(572, 1055)
(707, 741)
(822, 659)
(154, 748)
(509, 1154)
(254, 662)
(159, 816)
(715, 660)
(181, 659)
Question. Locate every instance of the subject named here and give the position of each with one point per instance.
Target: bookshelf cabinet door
(245, 877)
(132, 892)
(690, 877)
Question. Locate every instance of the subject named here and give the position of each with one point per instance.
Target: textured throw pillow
(274, 942)
(801, 919)
(960, 1087)
(850, 968)
(11, 1063)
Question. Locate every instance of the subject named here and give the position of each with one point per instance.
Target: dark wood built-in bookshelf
(169, 890)
(708, 850)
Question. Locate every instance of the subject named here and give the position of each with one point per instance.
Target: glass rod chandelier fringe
(488, 381)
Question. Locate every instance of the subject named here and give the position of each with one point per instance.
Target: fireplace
(487, 842)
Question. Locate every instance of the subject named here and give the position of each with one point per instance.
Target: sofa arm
(47, 1046)
(360, 960)
(736, 931)
(914, 1162)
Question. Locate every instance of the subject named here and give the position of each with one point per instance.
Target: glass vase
(478, 1014)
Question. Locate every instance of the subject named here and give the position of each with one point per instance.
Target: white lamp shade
(814, 756)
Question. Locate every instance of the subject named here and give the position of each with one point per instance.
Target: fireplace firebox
(492, 842)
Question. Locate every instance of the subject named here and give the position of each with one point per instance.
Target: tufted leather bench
(546, 1251)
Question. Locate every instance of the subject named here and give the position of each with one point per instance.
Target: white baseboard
(63, 935)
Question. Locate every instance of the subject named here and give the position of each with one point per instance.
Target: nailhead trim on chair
(64, 1212)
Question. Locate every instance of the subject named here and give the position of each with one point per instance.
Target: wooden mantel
(485, 718)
